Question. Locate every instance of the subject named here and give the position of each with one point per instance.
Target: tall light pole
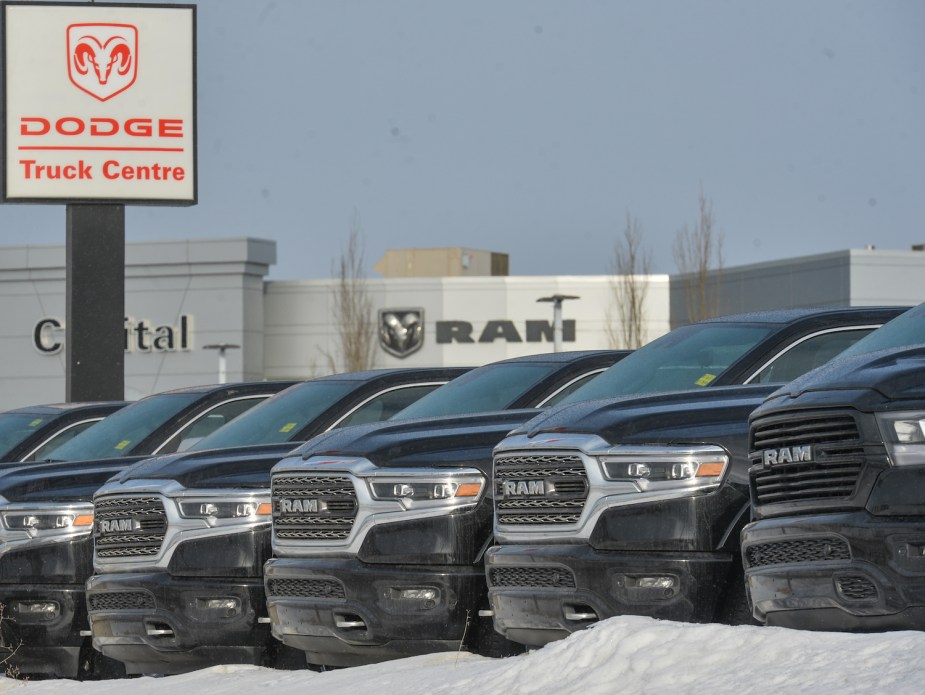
(557, 300)
(222, 359)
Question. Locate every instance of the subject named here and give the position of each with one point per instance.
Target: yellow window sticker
(288, 427)
(36, 422)
(705, 379)
(124, 443)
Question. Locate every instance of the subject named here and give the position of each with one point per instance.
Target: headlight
(904, 437)
(415, 490)
(49, 520)
(251, 509)
(653, 468)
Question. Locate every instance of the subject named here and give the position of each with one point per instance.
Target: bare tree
(353, 309)
(695, 252)
(631, 266)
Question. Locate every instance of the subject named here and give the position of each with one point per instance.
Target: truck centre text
(100, 127)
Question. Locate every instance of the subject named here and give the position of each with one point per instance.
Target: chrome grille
(833, 472)
(536, 488)
(328, 506)
(305, 588)
(144, 514)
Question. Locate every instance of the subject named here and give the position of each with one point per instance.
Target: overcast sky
(532, 127)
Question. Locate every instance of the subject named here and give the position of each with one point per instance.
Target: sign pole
(94, 332)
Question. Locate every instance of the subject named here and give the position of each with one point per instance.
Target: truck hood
(238, 467)
(464, 440)
(713, 415)
(67, 481)
(875, 378)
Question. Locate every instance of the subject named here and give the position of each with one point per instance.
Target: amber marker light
(708, 470)
(468, 490)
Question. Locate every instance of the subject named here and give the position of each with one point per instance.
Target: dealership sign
(99, 103)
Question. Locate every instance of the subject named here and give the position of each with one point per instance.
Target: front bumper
(844, 571)
(157, 623)
(344, 612)
(539, 594)
(42, 623)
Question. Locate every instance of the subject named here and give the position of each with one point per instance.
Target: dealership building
(430, 307)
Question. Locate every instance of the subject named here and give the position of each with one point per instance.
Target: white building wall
(855, 277)
(217, 284)
(300, 335)
(286, 330)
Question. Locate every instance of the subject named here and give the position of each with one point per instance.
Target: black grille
(807, 550)
(531, 577)
(803, 457)
(128, 526)
(309, 506)
(305, 588)
(534, 488)
(120, 601)
(856, 588)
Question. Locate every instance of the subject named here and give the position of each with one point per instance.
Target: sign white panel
(100, 103)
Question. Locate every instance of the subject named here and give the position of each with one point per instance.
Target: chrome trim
(583, 375)
(379, 393)
(370, 511)
(14, 539)
(838, 329)
(179, 528)
(603, 494)
(205, 413)
(57, 434)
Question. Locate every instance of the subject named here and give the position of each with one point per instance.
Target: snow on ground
(620, 655)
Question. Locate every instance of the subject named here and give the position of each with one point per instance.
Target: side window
(385, 405)
(207, 423)
(809, 354)
(43, 453)
(557, 397)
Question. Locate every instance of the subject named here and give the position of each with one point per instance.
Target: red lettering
(97, 123)
(138, 126)
(170, 128)
(78, 124)
(103, 127)
(43, 126)
(155, 172)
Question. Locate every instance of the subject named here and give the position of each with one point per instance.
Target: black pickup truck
(47, 517)
(316, 515)
(184, 588)
(180, 540)
(379, 534)
(838, 470)
(634, 505)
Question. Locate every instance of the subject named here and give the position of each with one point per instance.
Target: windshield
(280, 418)
(488, 388)
(15, 428)
(118, 434)
(689, 357)
(906, 329)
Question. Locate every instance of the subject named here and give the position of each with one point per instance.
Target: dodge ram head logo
(401, 331)
(102, 58)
